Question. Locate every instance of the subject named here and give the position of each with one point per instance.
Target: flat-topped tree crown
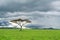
(16, 20)
(21, 20)
(28, 21)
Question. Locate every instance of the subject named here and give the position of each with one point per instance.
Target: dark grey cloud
(25, 5)
(41, 12)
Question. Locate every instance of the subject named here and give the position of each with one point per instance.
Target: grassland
(15, 34)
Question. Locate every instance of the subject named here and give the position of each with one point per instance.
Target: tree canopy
(20, 22)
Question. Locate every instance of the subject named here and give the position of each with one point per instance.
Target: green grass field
(15, 34)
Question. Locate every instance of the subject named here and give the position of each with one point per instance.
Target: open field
(15, 34)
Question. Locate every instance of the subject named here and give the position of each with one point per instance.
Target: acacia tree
(21, 22)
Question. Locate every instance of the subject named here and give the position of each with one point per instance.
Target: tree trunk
(21, 28)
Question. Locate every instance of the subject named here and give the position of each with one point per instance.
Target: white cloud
(47, 19)
(55, 5)
(23, 14)
(48, 12)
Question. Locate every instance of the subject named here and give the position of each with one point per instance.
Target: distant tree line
(8, 28)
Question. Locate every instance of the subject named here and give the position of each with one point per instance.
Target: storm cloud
(25, 5)
(41, 12)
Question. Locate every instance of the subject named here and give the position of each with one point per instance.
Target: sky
(41, 12)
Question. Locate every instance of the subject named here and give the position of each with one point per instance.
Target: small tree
(21, 22)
